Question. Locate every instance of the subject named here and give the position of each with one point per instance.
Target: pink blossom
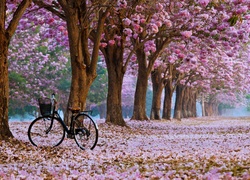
(136, 19)
(111, 42)
(168, 23)
(247, 16)
(242, 10)
(127, 31)
(203, 3)
(171, 60)
(153, 28)
(186, 34)
(103, 45)
(159, 6)
(122, 3)
(126, 21)
(143, 20)
(133, 58)
(117, 37)
(136, 27)
(158, 23)
(139, 8)
(181, 56)
(61, 28)
(135, 36)
(184, 13)
(177, 51)
(50, 20)
(182, 81)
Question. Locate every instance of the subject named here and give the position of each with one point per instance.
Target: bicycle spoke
(44, 132)
(86, 132)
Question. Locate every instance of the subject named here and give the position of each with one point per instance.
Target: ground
(200, 148)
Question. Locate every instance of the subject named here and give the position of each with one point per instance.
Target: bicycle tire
(85, 132)
(40, 134)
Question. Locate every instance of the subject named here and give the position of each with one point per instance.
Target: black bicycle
(49, 129)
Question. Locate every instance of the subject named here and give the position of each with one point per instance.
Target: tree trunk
(208, 109)
(178, 102)
(167, 104)
(114, 61)
(158, 86)
(169, 90)
(193, 108)
(185, 102)
(203, 105)
(211, 107)
(139, 112)
(189, 103)
(80, 85)
(5, 132)
(5, 36)
(114, 101)
(115, 80)
(83, 64)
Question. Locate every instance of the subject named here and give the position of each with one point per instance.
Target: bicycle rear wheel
(44, 131)
(85, 131)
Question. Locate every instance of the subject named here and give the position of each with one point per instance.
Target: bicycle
(49, 129)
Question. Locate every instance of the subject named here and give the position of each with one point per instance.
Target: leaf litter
(195, 148)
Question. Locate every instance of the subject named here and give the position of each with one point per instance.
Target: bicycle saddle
(74, 110)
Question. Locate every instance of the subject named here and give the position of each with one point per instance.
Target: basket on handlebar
(45, 105)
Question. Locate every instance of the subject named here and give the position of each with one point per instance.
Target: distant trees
(248, 102)
(38, 66)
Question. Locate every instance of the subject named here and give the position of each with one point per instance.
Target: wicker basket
(45, 105)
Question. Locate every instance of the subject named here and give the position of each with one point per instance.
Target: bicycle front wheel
(44, 131)
(85, 131)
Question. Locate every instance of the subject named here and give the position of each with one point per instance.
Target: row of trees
(196, 48)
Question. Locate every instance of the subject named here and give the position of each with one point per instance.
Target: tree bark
(5, 37)
(203, 105)
(211, 109)
(169, 90)
(185, 102)
(208, 109)
(114, 62)
(189, 103)
(139, 112)
(193, 105)
(158, 86)
(114, 107)
(5, 132)
(167, 103)
(178, 102)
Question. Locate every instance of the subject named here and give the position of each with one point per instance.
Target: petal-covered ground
(201, 148)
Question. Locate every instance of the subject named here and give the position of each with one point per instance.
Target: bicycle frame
(55, 114)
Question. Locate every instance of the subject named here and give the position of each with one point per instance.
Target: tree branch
(50, 8)
(16, 18)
